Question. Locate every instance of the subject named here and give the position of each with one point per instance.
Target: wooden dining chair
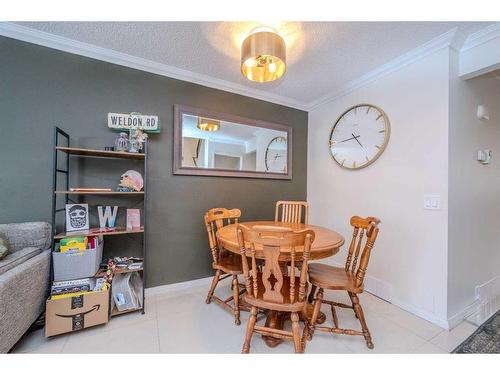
(292, 212)
(225, 263)
(271, 289)
(350, 278)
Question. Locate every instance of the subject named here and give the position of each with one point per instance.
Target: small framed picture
(133, 218)
(77, 217)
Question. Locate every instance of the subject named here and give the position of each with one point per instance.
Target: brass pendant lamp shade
(263, 56)
(208, 124)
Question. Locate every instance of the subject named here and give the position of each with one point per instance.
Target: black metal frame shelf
(61, 136)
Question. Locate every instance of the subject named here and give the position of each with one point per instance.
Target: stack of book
(69, 288)
(130, 263)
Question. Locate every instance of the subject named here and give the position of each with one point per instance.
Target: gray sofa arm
(21, 235)
(23, 291)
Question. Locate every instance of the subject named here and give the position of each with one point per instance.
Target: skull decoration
(131, 181)
(78, 216)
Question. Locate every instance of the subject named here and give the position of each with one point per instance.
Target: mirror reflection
(216, 144)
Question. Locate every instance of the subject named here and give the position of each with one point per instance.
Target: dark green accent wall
(41, 87)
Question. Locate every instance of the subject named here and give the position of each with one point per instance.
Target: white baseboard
(426, 315)
(161, 289)
(459, 317)
(487, 302)
(382, 289)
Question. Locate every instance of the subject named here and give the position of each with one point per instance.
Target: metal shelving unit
(63, 147)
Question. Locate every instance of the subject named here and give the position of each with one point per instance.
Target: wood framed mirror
(208, 143)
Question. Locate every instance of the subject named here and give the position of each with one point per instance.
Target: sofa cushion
(4, 246)
(21, 235)
(14, 259)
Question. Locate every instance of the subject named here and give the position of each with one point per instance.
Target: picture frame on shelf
(77, 217)
(133, 218)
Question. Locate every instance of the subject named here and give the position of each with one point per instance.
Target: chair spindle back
(364, 229)
(216, 218)
(275, 241)
(292, 212)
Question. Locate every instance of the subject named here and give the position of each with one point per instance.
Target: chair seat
(229, 263)
(286, 305)
(329, 277)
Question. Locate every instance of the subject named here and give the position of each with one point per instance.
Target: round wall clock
(276, 155)
(359, 136)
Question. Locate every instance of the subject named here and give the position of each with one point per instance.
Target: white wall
(411, 252)
(474, 189)
(222, 148)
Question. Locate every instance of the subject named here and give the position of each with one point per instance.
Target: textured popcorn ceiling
(322, 56)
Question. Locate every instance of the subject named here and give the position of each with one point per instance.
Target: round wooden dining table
(327, 242)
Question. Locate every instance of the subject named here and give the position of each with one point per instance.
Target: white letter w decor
(107, 218)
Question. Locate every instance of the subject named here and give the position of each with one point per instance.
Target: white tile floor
(181, 322)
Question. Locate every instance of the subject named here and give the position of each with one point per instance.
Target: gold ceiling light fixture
(263, 55)
(208, 125)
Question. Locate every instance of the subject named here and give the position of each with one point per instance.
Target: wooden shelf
(100, 153)
(115, 311)
(118, 231)
(126, 270)
(99, 192)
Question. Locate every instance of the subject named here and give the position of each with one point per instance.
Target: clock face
(277, 155)
(359, 136)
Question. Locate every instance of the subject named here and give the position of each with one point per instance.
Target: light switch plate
(432, 202)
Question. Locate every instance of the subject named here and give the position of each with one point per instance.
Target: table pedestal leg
(274, 319)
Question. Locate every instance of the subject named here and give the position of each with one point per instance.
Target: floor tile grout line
(437, 334)
(415, 333)
(64, 344)
(428, 342)
(157, 326)
(158, 333)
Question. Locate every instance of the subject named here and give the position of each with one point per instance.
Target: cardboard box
(76, 313)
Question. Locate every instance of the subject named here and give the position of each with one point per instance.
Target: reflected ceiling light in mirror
(263, 55)
(208, 125)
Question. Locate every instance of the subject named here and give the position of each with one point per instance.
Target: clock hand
(348, 139)
(356, 138)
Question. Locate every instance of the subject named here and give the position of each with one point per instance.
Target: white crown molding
(45, 39)
(451, 39)
(443, 41)
(482, 36)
